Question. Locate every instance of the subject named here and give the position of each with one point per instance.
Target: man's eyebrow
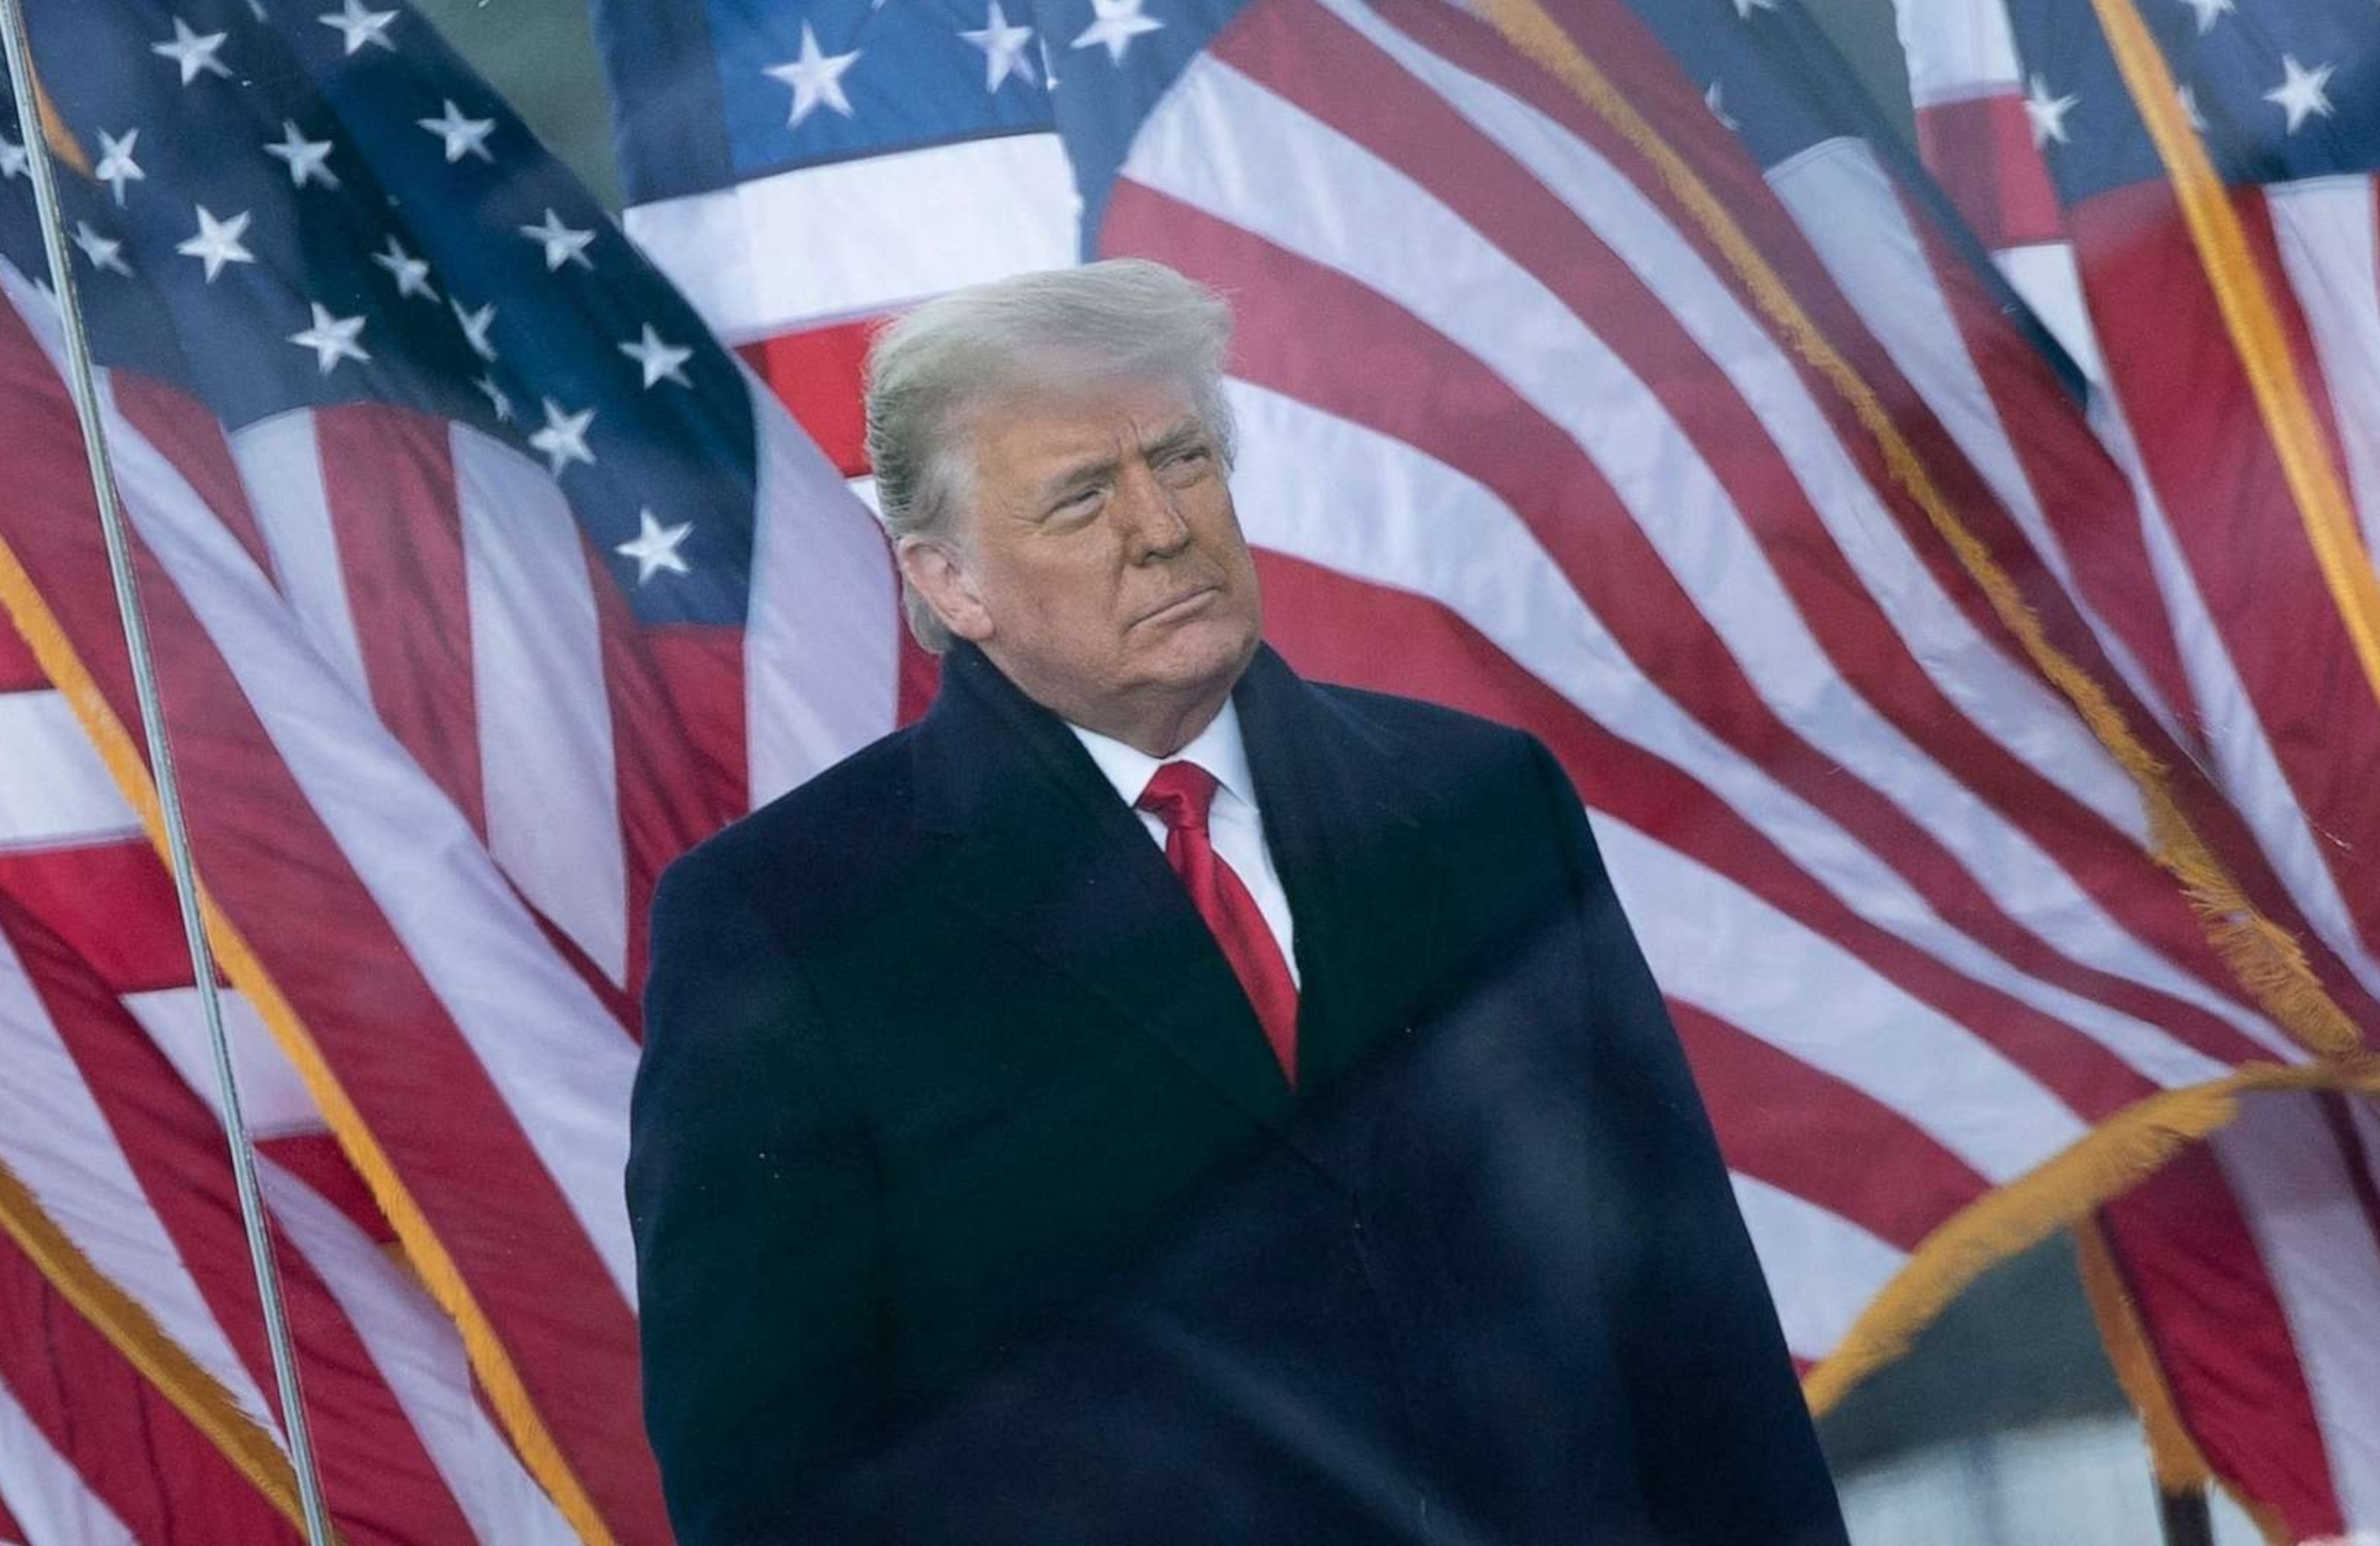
(1186, 432)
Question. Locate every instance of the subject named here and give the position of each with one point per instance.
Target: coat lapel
(1044, 853)
(1342, 822)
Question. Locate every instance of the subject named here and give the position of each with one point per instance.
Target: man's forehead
(1088, 416)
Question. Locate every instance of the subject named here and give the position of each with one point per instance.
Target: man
(1156, 1098)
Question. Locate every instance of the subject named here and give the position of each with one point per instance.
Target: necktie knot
(1178, 795)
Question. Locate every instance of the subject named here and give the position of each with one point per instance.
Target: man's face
(1103, 569)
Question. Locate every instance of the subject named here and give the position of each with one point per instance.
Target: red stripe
(1340, 630)
(11, 1532)
(816, 373)
(317, 1160)
(1981, 150)
(382, 1480)
(283, 880)
(112, 904)
(388, 476)
(19, 671)
(1782, 1121)
(1356, 89)
(2220, 481)
(135, 1451)
(2220, 1333)
(1470, 419)
(192, 438)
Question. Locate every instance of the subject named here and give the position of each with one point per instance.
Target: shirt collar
(1217, 748)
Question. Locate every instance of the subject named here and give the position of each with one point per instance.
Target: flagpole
(84, 383)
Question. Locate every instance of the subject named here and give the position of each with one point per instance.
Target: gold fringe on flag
(2174, 1454)
(161, 1360)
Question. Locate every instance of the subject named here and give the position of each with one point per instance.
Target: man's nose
(1153, 526)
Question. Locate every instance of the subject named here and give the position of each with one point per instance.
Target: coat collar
(1045, 852)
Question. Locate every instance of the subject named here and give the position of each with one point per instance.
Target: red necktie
(1178, 795)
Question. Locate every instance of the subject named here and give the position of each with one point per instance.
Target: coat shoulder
(844, 831)
(1452, 754)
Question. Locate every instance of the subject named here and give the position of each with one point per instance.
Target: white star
(331, 338)
(1712, 100)
(116, 166)
(2208, 10)
(475, 328)
(2047, 113)
(816, 78)
(495, 396)
(1744, 9)
(655, 547)
(1114, 23)
(304, 157)
(105, 252)
(564, 439)
(192, 52)
(661, 362)
(412, 274)
(463, 136)
(217, 242)
(13, 160)
(1004, 49)
(357, 26)
(2302, 93)
(561, 244)
(2187, 96)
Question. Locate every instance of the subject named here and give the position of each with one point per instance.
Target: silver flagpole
(19, 46)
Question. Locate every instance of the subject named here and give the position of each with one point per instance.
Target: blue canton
(303, 203)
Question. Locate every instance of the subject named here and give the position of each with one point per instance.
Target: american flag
(2216, 571)
(484, 583)
(1886, 745)
(459, 649)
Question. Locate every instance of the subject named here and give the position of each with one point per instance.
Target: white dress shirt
(1233, 824)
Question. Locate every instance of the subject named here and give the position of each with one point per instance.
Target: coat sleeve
(752, 1197)
(1726, 1453)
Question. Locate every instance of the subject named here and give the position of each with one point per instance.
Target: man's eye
(1080, 502)
(1189, 462)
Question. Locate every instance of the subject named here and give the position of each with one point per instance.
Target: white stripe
(48, 1496)
(858, 238)
(546, 766)
(281, 466)
(419, 1356)
(2366, 1117)
(2048, 279)
(555, 1055)
(58, 1141)
(1849, 208)
(54, 789)
(1316, 193)
(1819, 1004)
(2247, 769)
(1822, 1268)
(1956, 49)
(821, 651)
(273, 1097)
(2319, 1252)
(2330, 248)
(1374, 509)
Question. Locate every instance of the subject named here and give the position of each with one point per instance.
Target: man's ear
(935, 571)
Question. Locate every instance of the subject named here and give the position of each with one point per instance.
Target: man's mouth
(1181, 606)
